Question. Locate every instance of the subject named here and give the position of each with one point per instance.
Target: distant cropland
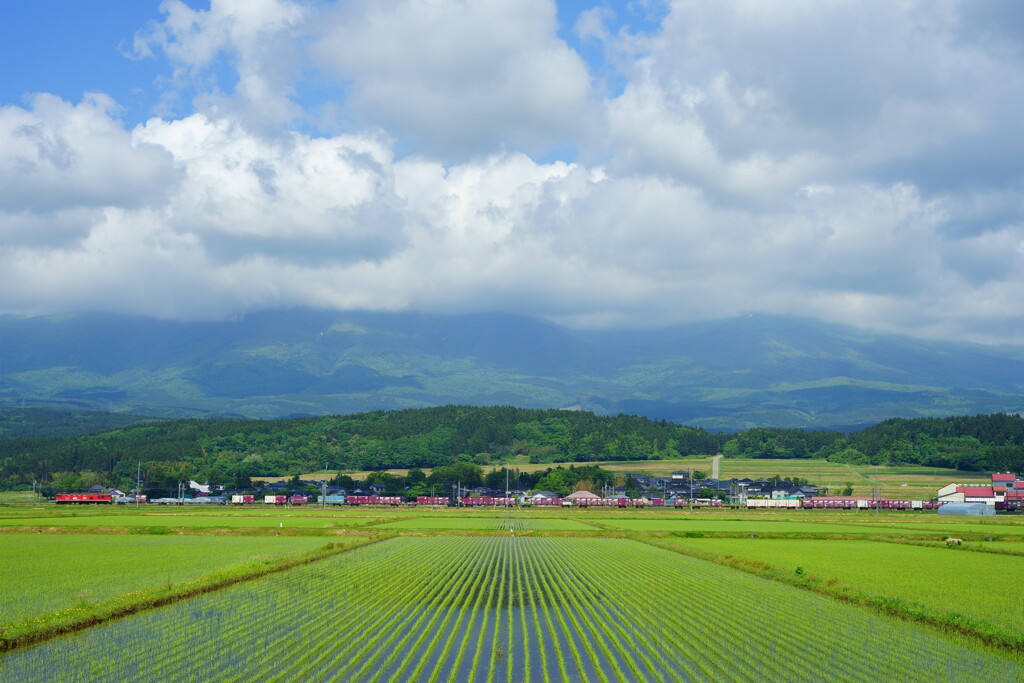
(727, 374)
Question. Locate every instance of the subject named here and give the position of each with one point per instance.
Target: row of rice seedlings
(484, 609)
(522, 621)
(629, 640)
(461, 591)
(453, 589)
(502, 609)
(472, 601)
(609, 623)
(548, 608)
(322, 624)
(376, 636)
(394, 599)
(558, 571)
(717, 620)
(438, 594)
(548, 590)
(823, 634)
(557, 580)
(467, 592)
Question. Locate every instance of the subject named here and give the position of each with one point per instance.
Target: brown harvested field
(921, 483)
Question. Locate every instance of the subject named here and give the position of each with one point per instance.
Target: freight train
(618, 502)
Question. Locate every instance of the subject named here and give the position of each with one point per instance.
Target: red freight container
(431, 500)
(275, 500)
(485, 501)
(298, 500)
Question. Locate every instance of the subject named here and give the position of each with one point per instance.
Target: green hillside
(221, 451)
(729, 374)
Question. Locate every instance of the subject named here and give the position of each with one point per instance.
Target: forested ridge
(224, 450)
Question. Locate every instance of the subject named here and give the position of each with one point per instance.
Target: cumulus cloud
(57, 155)
(458, 76)
(257, 38)
(856, 161)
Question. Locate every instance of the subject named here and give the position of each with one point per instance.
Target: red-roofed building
(976, 494)
(1005, 491)
(1003, 480)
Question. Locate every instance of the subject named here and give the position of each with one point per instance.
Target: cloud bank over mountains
(642, 164)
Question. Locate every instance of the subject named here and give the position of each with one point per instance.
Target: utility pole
(138, 484)
(689, 476)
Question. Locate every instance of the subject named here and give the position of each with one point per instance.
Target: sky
(608, 164)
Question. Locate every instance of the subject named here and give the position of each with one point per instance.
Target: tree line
(227, 451)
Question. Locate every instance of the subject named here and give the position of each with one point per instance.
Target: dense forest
(222, 451)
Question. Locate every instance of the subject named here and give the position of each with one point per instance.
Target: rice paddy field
(261, 520)
(509, 609)
(42, 573)
(411, 594)
(801, 523)
(506, 522)
(958, 582)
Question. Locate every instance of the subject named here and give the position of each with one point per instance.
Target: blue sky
(633, 163)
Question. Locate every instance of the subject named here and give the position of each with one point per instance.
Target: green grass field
(512, 609)
(503, 522)
(261, 520)
(43, 573)
(942, 580)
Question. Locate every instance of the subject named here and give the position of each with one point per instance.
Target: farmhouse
(1005, 492)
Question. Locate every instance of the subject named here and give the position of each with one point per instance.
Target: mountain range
(727, 374)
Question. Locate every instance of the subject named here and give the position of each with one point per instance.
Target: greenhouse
(967, 509)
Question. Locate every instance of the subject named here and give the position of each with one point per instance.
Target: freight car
(784, 503)
(374, 500)
(84, 498)
(243, 500)
(334, 500)
(486, 501)
(431, 500)
(298, 500)
(834, 503)
(275, 500)
(699, 502)
(603, 502)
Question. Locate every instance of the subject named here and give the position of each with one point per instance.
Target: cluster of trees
(978, 443)
(992, 443)
(561, 480)
(225, 452)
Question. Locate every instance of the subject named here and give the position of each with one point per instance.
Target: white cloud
(458, 76)
(258, 37)
(783, 160)
(58, 155)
